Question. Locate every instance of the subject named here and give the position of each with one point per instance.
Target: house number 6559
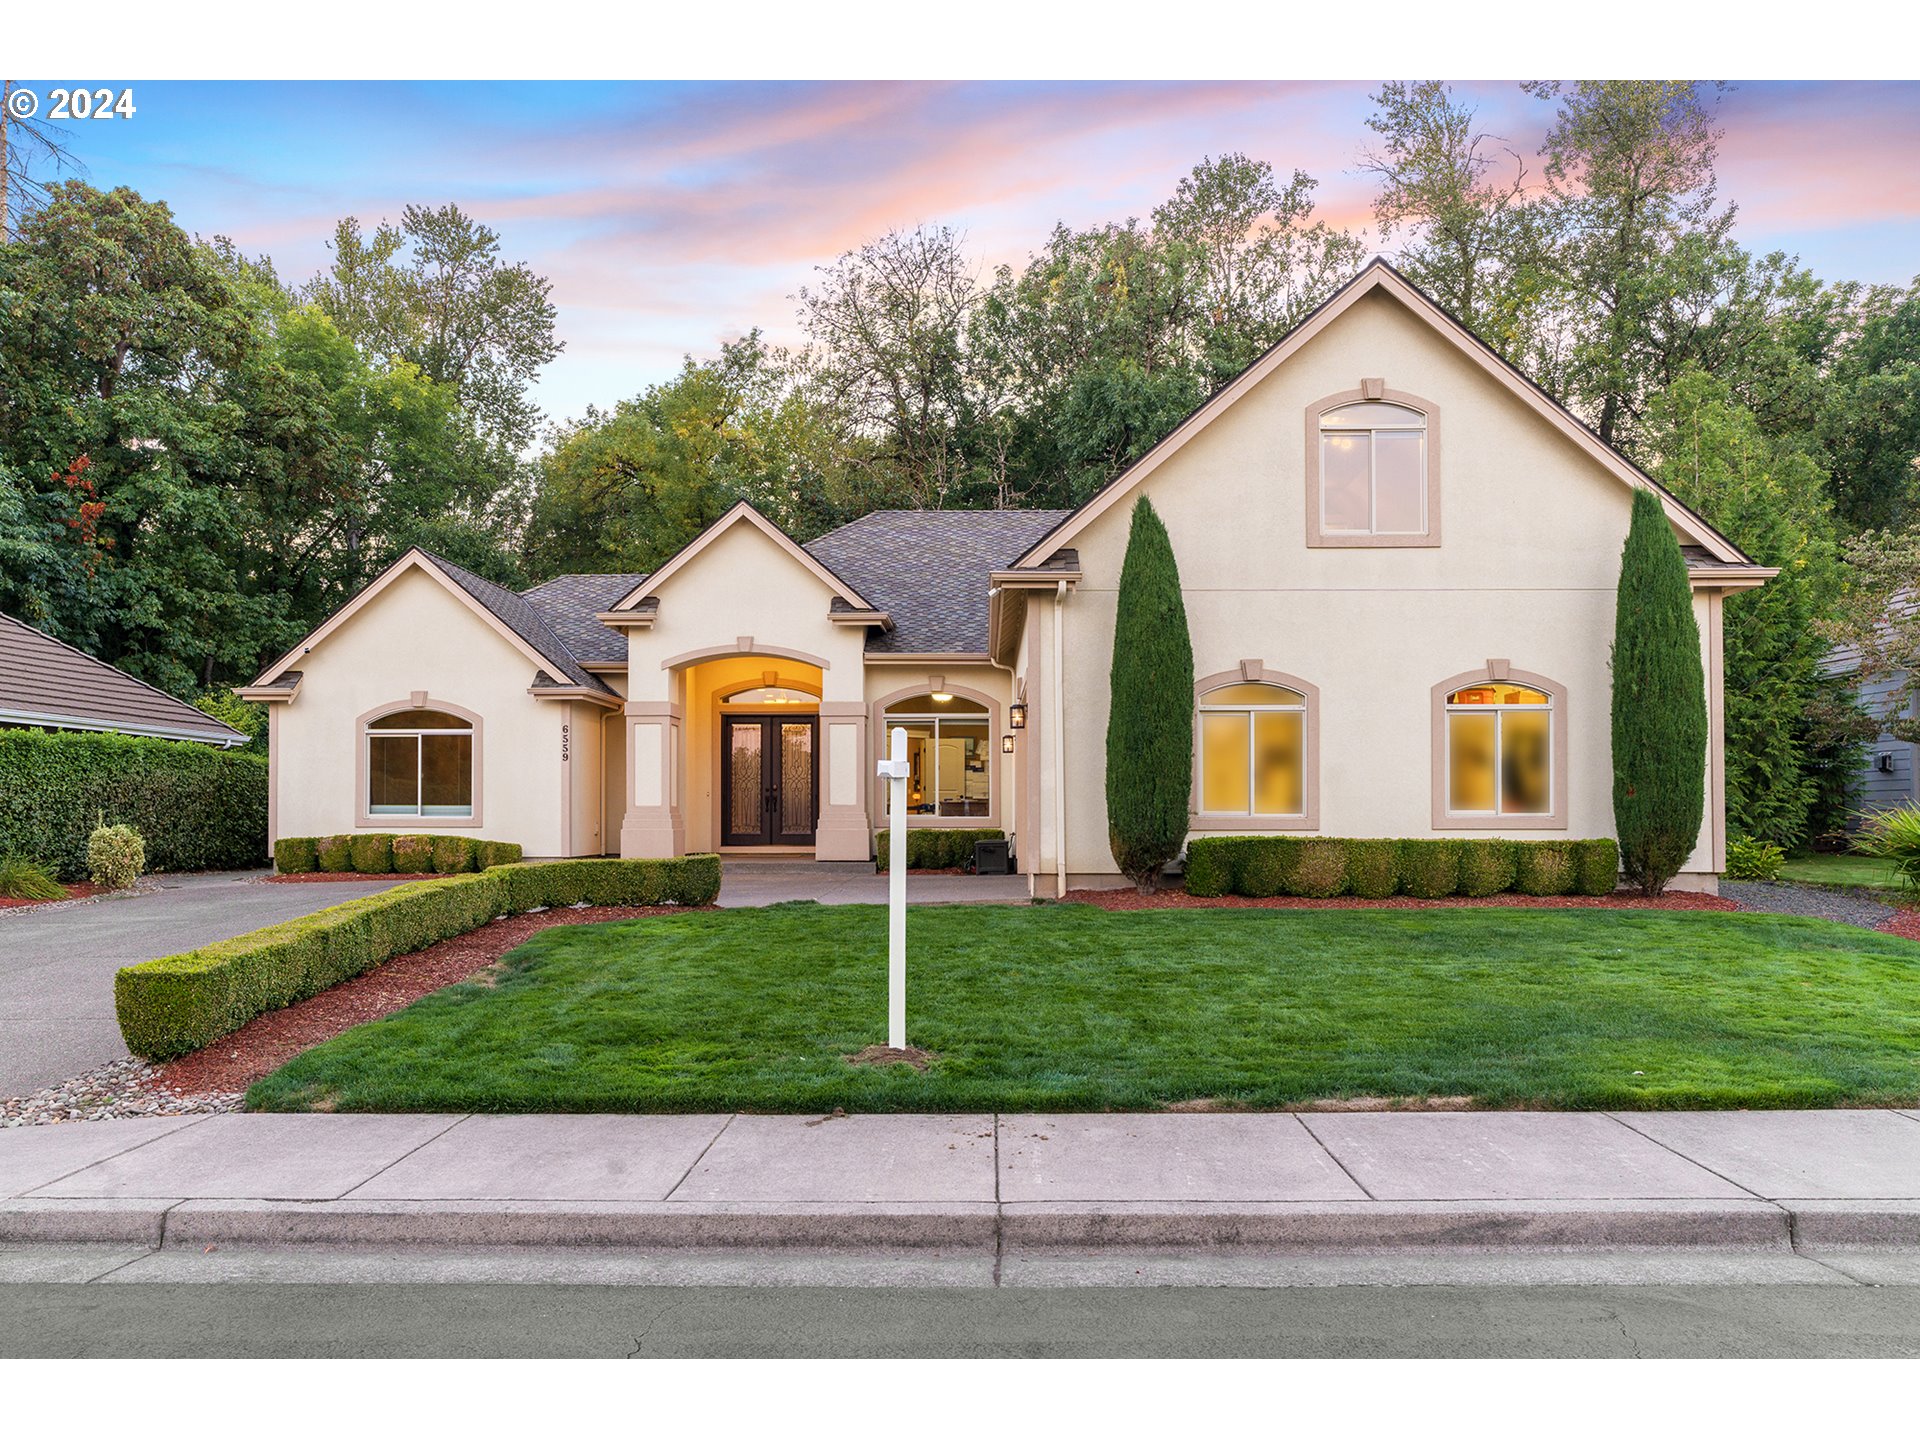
(566, 742)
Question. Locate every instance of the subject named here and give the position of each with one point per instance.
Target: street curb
(1332, 1226)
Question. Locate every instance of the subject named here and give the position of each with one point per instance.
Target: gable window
(420, 762)
(1253, 751)
(949, 757)
(1499, 751)
(1372, 458)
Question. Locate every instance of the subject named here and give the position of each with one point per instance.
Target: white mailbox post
(895, 771)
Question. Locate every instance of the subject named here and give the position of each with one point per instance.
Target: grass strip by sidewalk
(1067, 1007)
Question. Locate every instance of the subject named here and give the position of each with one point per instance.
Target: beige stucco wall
(743, 586)
(416, 636)
(1526, 571)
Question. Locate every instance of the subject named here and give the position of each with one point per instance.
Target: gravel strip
(1782, 897)
(118, 1090)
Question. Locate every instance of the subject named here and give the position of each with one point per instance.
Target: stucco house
(1399, 558)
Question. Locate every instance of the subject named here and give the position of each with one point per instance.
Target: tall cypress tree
(1659, 704)
(1150, 714)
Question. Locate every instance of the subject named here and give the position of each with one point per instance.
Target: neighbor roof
(46, 682)
(930, 570)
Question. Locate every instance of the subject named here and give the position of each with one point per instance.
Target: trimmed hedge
(937, 849)
(379, 854)
(1259, 866)
(196, 808)
(179, 1003)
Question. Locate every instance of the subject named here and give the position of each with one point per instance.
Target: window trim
(1257, 672)
(996, 773)
(1499, 672)
(364, 818)
(1372, 389)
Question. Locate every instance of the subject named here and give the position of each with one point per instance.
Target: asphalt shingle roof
(521, 617)
(46, 681)
(568, 604)
(928, 570)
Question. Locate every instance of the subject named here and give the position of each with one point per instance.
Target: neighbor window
(420, 762)
(1253, 742)
(1373, 470)
(1499, 750)
(950, 761)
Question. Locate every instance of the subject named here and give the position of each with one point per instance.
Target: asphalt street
(583, 1320)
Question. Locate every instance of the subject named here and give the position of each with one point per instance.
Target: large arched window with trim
(1253, 751)
(1499, 750)
(949, 754)
(420, 762)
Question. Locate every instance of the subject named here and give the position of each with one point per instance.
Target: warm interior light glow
(941, 697)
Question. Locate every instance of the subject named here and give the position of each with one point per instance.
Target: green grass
(1071, 1008)
(1862, 870)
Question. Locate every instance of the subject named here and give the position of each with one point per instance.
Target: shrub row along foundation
(939, 849)
(177, 1004)
(390, 854)
(1261, 866)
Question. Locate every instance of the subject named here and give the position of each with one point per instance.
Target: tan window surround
(1200, 822)
(362, 816)
(1372, 390)
(1500, 672)
(995, 760)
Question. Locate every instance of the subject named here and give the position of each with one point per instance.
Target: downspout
(1059, 749)
(1009, 794)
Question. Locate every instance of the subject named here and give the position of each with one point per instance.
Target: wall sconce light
(1017, 715)
(1006, 744)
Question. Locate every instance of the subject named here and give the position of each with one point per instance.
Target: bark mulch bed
(1180, 900)
(82, 891)
(267, 1042)
(1905, 922)
(323, 876)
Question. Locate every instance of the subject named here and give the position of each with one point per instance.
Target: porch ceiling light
(1006, 744)
(940, 697)
(1017, 715)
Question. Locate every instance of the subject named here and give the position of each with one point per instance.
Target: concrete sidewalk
(984, 1184)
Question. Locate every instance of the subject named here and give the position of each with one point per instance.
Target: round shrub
(1596, 867)
(1265, 866)
(412, 854)
(1487, 867)
(372, 854)
(452, 854)
(1373, 870)
(1430, 869)
(334, 853)
(1321, 871)
(1754, 860)
(1545, 868)
(116, 856)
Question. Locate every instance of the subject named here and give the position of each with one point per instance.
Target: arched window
(1253, 750)
(420, 762)
(770, 695)
(1499, 751)
(949, 752)
(1373, 459)
(1373, 470)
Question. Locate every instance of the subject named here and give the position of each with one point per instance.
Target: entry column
(843, 833)
(654, 827)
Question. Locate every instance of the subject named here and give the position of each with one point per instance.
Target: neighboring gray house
(1887, 778)
(46, 684)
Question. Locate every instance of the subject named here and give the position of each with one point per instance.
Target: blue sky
(673, 216)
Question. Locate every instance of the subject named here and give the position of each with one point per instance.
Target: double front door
(769, 778)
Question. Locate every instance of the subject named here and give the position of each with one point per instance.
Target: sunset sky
(671, 217)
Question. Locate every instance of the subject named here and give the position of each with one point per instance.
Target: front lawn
(1067, 1007)
(1862, 870)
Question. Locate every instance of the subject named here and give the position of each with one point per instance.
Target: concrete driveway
(56, 966)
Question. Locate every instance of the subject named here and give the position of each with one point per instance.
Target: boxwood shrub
(936, 849)
(196, 808)
(1260, 866)
(177, 1004)
(384, 854)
